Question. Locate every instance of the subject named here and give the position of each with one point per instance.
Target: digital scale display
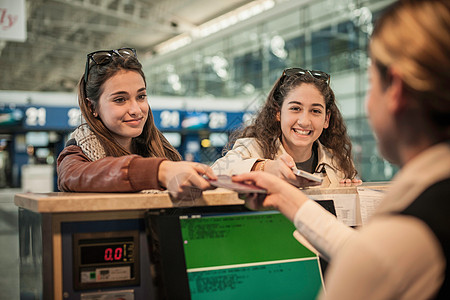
(106, 253)
(106, 259)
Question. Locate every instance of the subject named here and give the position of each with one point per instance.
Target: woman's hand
(282, 168)
(184, 179)
(280, 194)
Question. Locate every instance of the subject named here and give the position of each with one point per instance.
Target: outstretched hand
(184, 180)
(282, 168)
(280, 194)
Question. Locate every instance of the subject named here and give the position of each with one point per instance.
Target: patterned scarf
(88, 142)
(91, 146)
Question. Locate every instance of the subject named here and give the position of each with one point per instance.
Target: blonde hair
(414, 37)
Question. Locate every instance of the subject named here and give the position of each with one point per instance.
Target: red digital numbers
(113, 254)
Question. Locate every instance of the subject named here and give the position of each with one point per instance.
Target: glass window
(248, 59)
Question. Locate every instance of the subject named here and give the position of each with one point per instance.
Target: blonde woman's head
(413, 36)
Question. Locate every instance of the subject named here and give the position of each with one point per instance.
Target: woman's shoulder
(246, 141)
(71, 150)
(71, 142)
(245, 147)
(250, 144)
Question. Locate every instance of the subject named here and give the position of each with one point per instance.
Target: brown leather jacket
(130, 173)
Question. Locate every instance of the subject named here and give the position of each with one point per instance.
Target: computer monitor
(229, 252)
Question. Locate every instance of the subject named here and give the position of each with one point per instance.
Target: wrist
(262, 165)
(292, 203)
(257, 164)
(162, 170)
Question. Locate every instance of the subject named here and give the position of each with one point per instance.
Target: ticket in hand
(224, 181)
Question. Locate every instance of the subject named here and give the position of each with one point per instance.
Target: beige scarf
(88, 142)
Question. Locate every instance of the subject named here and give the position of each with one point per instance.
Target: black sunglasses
(103, 57)
(316, 74)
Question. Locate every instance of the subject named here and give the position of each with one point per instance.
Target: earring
(95, 114)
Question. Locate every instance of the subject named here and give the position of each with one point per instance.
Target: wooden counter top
(59, 202)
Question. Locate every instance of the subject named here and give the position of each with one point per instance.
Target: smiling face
(123, 106)
(303, 117)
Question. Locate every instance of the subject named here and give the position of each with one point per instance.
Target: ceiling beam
(146, 21)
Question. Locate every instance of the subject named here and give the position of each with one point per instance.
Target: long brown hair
(266, 129)
(414, 36)
(150, 143)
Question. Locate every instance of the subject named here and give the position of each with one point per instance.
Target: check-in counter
(94, 245)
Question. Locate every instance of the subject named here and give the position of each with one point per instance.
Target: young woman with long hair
(299, 125)
(119, 148)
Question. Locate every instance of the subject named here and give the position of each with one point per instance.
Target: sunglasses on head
(316, 74)
(103, 57)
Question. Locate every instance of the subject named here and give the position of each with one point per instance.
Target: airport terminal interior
(209, 66)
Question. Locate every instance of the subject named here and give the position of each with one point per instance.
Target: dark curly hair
(150, 143)
(266, 129)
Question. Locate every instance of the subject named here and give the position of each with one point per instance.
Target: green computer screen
(249, 255)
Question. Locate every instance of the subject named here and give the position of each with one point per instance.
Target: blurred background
(209, 66)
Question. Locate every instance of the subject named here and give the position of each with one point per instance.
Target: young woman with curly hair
(299, 125)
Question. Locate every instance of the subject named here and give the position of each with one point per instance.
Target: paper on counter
(369, 199)
(345, 205)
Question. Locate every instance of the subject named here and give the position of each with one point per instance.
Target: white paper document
(345, 205)
(369, 199)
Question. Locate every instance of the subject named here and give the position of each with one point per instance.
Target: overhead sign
(10, 116)
(13, 20)
(51, 118)
(33, 117)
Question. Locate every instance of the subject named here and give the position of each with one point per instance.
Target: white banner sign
(13, 20)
